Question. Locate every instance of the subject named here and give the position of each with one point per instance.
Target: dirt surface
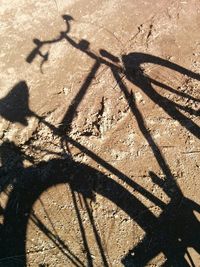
(99, 129)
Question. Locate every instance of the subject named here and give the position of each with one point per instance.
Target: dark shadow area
(172, 233)
(14, 106)
(134, 73)
(177, 227)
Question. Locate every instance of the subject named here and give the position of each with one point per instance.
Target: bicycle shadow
(176, 229)
(172, 233)
(14, 106)
(133, 70)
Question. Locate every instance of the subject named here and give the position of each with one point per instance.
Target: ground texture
(100, 129)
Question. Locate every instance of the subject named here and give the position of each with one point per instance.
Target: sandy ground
(99, 129)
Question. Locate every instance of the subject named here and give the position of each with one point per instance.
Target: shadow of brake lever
(35, 51)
